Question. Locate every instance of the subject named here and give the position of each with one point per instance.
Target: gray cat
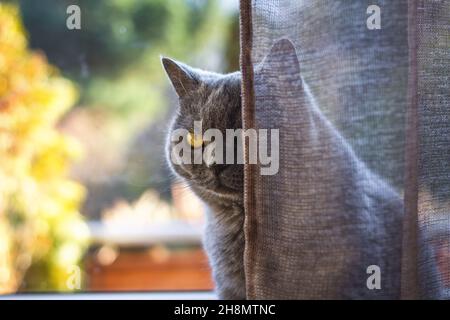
(365, 218)
(215, 100)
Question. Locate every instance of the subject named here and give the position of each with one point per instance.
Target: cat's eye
(195, 141)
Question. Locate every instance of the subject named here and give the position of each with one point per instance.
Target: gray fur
(334, 216)
(369, 203)
(214, 99)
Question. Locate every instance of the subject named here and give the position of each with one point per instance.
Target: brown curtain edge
(409, 273)
(248, 121)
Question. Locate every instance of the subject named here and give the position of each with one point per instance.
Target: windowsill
(204, 295)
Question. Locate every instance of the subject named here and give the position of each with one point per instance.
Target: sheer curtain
(360, 96)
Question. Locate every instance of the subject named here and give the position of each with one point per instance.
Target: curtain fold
(248, 117)
(409, 276)
(364, 151)
(429, 102)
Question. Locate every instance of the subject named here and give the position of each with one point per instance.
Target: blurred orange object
(157, 269)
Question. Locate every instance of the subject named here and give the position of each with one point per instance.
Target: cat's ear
(282, 58)
(184, 78)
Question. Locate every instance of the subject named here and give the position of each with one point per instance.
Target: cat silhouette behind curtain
(337, 217)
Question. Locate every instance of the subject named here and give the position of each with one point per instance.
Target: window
(87, 202)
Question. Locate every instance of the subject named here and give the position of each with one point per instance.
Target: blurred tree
(114, 57)
(232, 44)
(41, 230)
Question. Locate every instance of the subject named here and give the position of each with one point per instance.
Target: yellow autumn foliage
(42, 234)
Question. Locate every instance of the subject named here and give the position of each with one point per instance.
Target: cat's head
(215, 100)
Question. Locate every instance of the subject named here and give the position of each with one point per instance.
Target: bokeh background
(86, 199)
